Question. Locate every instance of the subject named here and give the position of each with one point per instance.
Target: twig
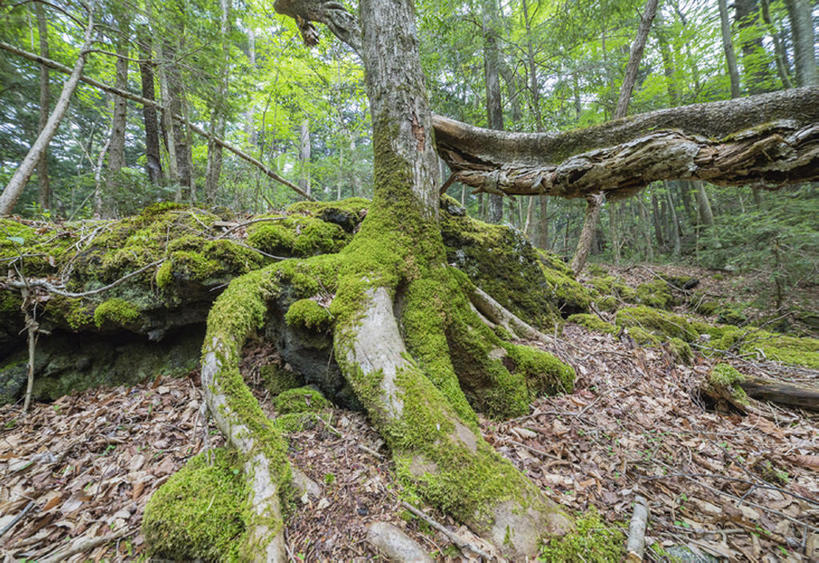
(17, 518)
(234, 227)
(461, 543)
(57, 291)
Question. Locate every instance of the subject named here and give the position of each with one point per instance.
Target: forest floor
(725, 484)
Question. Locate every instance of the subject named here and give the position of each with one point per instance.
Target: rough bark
(799, 13)
(21, 176)
(153, 164)
(45, 100)
(168, 125)
(704, 205)
(728, 47)
(720, 142)
(219, 114)
(177, 106)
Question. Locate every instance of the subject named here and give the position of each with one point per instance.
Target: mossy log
(727, 384)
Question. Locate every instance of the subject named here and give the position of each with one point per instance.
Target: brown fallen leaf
(809, 461)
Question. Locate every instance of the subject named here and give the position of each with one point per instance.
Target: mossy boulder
(117, 312)
(346, 213)
(655, 294)
(310, 315)
(297, 236)
(198, 514)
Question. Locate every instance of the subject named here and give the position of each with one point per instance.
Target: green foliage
(300, 400)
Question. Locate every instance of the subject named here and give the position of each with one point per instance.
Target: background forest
(241, 73)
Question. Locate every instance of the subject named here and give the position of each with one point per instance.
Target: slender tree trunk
(119, 118)
(800, 15)
(169, 126)
(20, 178)
(728, 47)
(153, 164)
(543, 224)
(614, 230)
(45, 101)
(646, 230)
(674, 222)
(668, 62)
(586, 239)
(656, 219)
(636, 55)
(706, 214)
(304, 155)
(178, 106)
(531, 68)
(494, 107)
(218, 116)
(779, 49)
(756, 74)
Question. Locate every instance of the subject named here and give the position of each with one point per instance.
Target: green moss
(731, 314)
(592, 540)
(681, 350)
(660, 323)
(643, 337)
(299, 421)
(554, 262)
(77, 313)
(569, 294)
(197, 513)
(655, 294)
(301, 399)
(297, 236)
(277, 378)
(308, 314)
(593, 322)
(346, 213)
(543, 371)
(754, 342)
(116, 312)
(725, 376)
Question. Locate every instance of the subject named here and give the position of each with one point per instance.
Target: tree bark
(800, 15)
(494, 105)
(21, 176)
(153, 164)
(219, 114)
(45, 101)
(728, 47)
(719, 142)
(704, 204)
(167, 121)
(756, 74)
(177, 106)
(668, 62)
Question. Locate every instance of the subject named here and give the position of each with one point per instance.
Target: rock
(305, 485)
(395, 544)
(684, 554)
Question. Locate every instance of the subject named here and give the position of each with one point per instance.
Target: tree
(494, 105)
(45, 97)
(21, 176)
(407, 335)
(799, 12)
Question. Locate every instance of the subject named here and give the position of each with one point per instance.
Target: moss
(758, 343)
(607, 303)
(116, 312)
(725, 376)
(660, 323)
(731, 314)
(543, 371)
(76, 312)
(346, 213)
(554, 262)
(197, 513)
(643, 337)
(593, 322)
(592, 540)
(655, 294)
(299, 421)
(277, 378)
(301, 399)
(297, 236)
(308, 314)
(681, 350)
(569, 294)
(611, 286)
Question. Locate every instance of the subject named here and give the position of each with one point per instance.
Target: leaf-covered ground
(738, 487)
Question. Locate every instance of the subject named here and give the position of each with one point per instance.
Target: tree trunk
(168, 125)
(728, 47)
(119, 118)
(673, 223)
(586, 239)
(178, 106)
(45, 100)
(304, 155)
(494, 106)
(636, 55)
(531, 69)
(646, 230)
(614, 231)
(800, 15)
(668, 62)
(658, 226)
(704, 204)
(219, 113)
(21, 176)
(756, 74)
(779, 49)
(543, 224)
(153, 164)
